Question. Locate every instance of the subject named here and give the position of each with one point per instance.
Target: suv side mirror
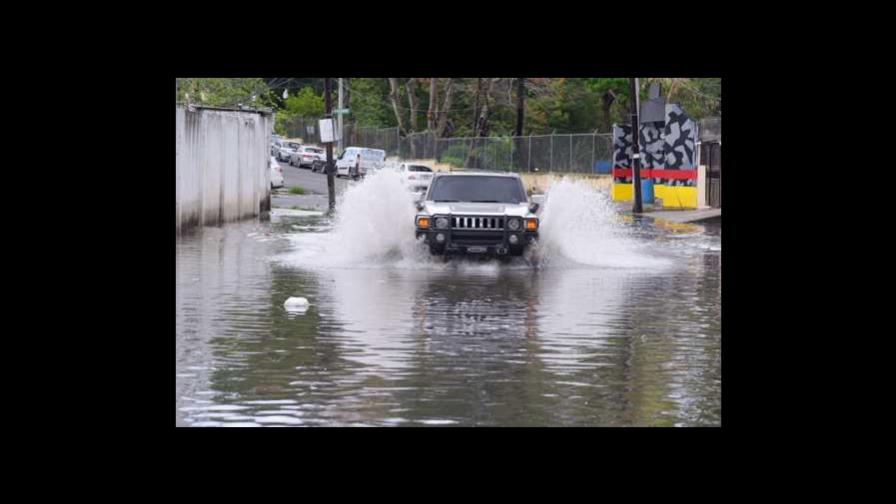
(534, 207)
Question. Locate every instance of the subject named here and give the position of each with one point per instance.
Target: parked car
(287, 149)
(357, 161)
(276, 143)
(415, 177)
(276, 173)
(305, 156)
(477, 213)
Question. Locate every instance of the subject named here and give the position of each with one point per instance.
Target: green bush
(491, 154)
(454, 155)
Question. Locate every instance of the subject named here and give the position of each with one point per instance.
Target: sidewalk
(680, 216)
(687, 216)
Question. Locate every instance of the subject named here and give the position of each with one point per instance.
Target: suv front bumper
(476, 242)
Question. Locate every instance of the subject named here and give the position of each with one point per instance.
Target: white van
(370, 159)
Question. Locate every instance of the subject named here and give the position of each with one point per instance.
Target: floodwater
(609, 322)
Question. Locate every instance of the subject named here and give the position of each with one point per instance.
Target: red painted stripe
(657, 173)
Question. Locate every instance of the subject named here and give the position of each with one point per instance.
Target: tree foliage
(476, 106)
(223, 92)
(306, 104)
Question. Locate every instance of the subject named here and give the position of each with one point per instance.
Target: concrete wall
(222, 166)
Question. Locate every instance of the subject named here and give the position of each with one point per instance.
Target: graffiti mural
(652, 145)
(679, 138)
(622, 151)
(668, 149)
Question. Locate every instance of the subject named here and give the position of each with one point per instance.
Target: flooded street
(610, 322)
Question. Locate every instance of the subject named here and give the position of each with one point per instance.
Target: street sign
(328, 131)
(341, 111)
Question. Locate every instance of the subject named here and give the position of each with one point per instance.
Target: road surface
(314, 183)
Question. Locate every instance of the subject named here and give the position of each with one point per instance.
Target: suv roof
(478, 173)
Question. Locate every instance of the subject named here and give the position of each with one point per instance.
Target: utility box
(653, 110)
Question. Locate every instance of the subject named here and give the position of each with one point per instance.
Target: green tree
(225, 92)
(370, 103)
(612, 94)
(699, 97)
(305, 103)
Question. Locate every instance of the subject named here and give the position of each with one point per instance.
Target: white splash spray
(374, 223)
(374, 226)
(579, 223)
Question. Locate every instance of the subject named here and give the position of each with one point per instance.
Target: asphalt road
(303, 177)
(314, 183)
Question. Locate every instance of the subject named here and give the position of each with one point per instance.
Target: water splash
(580, 224)
(374, 225)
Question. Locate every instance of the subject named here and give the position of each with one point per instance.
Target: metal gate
(712, 153)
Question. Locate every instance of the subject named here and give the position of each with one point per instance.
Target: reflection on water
(457, 344)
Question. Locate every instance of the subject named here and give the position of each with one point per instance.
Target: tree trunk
(393, 97)
(433, 110)
(483, 125)
(475, 127)
(607, 100)
(446, 107)
(412, 102)
(475, 131)
(520, 97)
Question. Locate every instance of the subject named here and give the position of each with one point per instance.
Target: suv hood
(518, 210)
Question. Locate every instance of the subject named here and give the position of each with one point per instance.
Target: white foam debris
(279, 212)
(296, 304)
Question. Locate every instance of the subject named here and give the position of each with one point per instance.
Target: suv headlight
(442, 222)
(513, 224)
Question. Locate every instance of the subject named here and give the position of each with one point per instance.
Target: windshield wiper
(447, 201)
(486, 201)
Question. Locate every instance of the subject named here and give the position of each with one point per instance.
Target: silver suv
(477, 213)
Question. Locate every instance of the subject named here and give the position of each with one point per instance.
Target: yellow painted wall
(672, 196)
(676, 196)
(622, 192)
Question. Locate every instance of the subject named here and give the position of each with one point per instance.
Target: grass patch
(297, 190)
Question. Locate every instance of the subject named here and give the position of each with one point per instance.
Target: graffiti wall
(668, 156)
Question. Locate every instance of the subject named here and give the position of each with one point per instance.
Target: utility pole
(331, 184)
(636, 152)
(339, 115)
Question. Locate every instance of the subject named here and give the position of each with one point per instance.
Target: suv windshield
(312, 149)
(482, 189)
(417, 168)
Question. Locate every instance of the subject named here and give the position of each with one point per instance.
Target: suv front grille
(477, 223)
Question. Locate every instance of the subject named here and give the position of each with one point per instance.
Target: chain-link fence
(375, 138)
(576, 153)
(305, 128)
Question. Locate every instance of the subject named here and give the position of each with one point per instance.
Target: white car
(306, 155)
(276, 143)
(276, 173)
(357, 161)
(287, 149)
(415, 177)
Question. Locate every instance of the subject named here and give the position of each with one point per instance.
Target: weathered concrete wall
(221, 165)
